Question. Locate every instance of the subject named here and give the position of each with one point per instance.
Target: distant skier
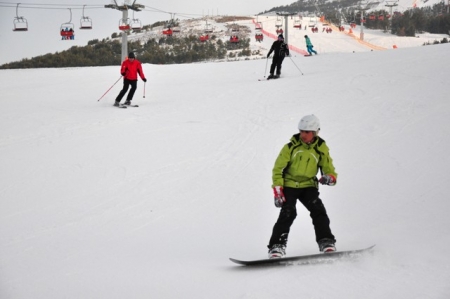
(309, 46)
(131, 67)
(280, 49)
(294, 177)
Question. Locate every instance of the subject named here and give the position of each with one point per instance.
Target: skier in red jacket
(130, 69)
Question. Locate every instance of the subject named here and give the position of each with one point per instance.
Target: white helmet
(309, 123)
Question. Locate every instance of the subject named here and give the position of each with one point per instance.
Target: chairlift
(20, 23)
(173, 26)
(279, 31)
(297, 23)
(234, 39)
(124, 24)
(279, 22)
(259, 37)
(67, 29)
(136, 24)
(234, 27)
(312, 21)
(204, 38)
(85, 22)
(372, 17)
(258, 26)
(168, 32)
(208, 28)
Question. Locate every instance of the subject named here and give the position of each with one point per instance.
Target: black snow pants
(126, 84)
(309, 197)
(276, 63)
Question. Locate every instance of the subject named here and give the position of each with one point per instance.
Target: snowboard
(307, 259)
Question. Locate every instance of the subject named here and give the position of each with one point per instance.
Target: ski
(126, 106)
(307, 259)
(269, 79)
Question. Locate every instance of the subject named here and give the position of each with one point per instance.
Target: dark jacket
(280, 49)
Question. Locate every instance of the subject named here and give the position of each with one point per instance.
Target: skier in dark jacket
(280, 49)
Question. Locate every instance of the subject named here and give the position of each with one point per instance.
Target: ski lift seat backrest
(136, 24)
(20, 24)
(85, 23)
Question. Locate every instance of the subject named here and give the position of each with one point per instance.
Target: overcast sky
(44, 24)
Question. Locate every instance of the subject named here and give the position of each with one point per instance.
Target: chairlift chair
(258, 26)
(85, 22)
(234, 39)
(279, 22)
(208, 28)
(67, 29)
(168, 32)
(124, 25)
(259, 37)
(204, 38)
(136, 24)
(20, 23)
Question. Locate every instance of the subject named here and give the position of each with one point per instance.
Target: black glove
(327, 180)
(123, 74)
(145, 80)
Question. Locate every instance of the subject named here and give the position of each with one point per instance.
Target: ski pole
(144, 89)
(296, 65)
(267, 61)
(109, 89)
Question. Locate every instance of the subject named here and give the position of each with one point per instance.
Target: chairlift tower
(286, 15)
(362, 10)
(124, 9)
(391, 5)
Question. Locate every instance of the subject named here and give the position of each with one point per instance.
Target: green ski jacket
(298, 163)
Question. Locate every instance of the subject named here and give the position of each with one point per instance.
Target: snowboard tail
(307, 259)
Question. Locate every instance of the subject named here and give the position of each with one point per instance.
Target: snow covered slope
(150, 202)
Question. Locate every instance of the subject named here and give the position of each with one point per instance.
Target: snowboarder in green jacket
(309, 46)
(294, 178)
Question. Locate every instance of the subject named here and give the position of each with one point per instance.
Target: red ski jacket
(130, 69)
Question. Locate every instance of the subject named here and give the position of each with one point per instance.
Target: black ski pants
(309, 197)
(276, 63)
(126, 84)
